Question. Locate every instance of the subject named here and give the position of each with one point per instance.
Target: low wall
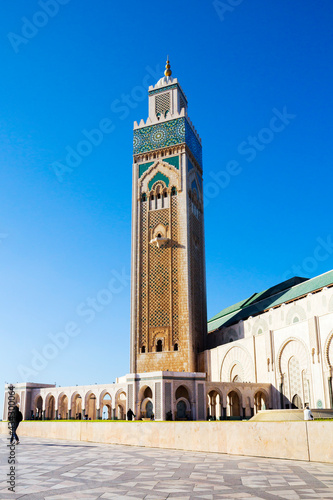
(291, 440)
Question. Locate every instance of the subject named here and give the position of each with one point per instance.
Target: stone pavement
(54, 469)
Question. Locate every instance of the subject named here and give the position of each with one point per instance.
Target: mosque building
(273, 349)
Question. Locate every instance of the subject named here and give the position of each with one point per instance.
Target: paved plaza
(54, 469)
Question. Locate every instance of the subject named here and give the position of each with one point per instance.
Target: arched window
(144, 197)
(175, 347)
(165, 194)
(143, 349)
(159, 346)
(173, 191)
(152, 197)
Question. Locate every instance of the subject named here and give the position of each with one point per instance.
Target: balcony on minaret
(159, 236)
(159, 241)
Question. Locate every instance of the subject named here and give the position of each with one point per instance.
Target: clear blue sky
(61, 242)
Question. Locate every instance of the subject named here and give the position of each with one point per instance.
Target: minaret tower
(168, 296)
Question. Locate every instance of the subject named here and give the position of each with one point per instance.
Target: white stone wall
(279, 345)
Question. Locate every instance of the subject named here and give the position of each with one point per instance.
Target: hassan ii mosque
(273, 349)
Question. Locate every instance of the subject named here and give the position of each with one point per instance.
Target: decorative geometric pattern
(181, 102)
(240, 355)
(142, 312)
(163, 89)
(159, 275)
(64, 470)
(295, 382)
(173, 160)
(162, 104)
(166, 134)
(174, 270)
(292, 348)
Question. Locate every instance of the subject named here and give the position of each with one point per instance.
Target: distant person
(130, 415)
(307, 413)
(15, 419)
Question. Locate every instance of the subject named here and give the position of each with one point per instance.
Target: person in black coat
(15, 419)
(130, 414)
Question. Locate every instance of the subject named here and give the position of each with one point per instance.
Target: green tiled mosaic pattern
(144, 166)
(166, 134)
(173, 160)
(158, 177)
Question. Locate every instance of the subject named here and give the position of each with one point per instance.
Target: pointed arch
(237, 354)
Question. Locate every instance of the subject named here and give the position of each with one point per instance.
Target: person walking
(15, 419)
(130, 415)
(307, 413)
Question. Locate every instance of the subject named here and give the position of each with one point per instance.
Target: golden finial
(167, 71)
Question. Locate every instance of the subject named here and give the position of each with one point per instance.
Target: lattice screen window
(295, 377)
(162, 104)
(181, 102)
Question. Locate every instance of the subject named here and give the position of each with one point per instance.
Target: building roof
(257, 303)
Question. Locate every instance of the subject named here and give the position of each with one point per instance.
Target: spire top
(167, 71)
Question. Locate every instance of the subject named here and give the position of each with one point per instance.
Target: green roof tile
(259, 302)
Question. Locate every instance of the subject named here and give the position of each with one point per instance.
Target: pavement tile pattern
(65, 470)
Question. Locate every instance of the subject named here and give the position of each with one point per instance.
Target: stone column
(56, 415)
(83, 414)
(43, 415)
(98, 411)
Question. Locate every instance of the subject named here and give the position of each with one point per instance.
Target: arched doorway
(214, 410)
(149, 409)
(120, 403)
(106, 406)
(50, 408)
(76, 409)
(297, 402)
(183, 406)
(181, 410)
(63, 407)
(260, 402)
(233, 404)
(39, 408)
(90, 409)
(146, 406)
